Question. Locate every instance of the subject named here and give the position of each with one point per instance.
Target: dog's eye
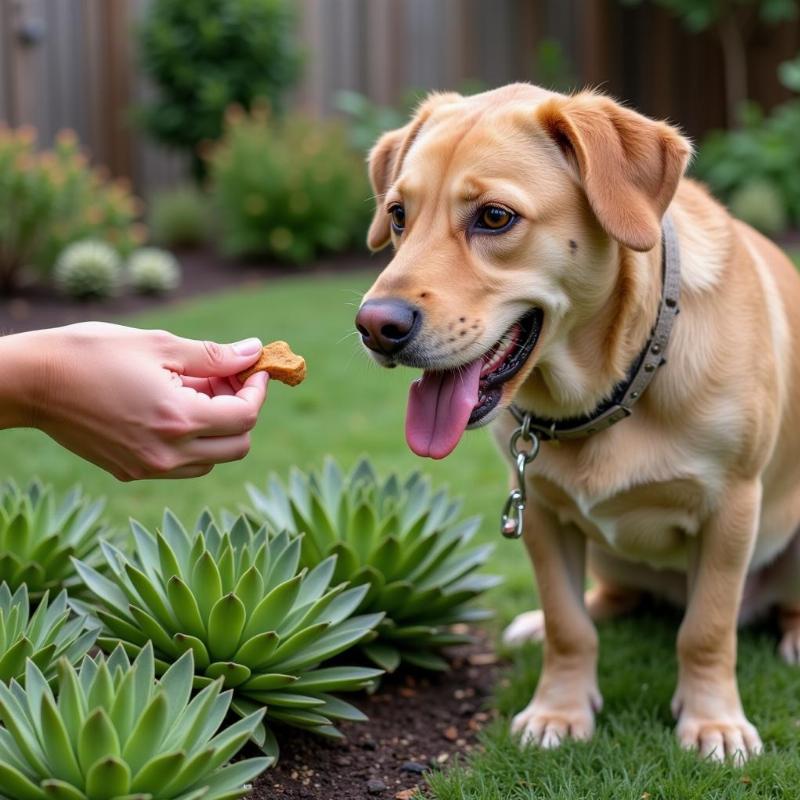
(494, 218)
(398, 214)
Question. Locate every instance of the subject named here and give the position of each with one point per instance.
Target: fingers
(191, 471)
(229, 414)
(211, 387)
(210, 359)
(216, 449)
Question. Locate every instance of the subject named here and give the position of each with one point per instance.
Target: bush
(287, 189)
(179, 218)
(153, 271)
(116, 732)
(239, 601)
(206, 54)
(397, 537)
(49, 200)
(89, 269)
(39, 533)
(761, 205)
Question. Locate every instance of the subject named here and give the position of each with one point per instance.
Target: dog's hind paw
(545, 727)
(527, 627)
(789, 648)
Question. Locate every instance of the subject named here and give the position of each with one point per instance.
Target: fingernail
(247, 347)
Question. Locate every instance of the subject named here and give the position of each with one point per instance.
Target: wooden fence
(72, 63)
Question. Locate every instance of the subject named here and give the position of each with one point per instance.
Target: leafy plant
(205, 55)
(397, 538)
(153, 271)
(179, 217)
(367, 121)
(287, 189)
(39, 534)
(43, 636)
(760, 204)
(50, 199)
(88, 269)
(235, 598)
(111, 732)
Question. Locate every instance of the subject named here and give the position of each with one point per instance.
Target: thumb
(210, 359)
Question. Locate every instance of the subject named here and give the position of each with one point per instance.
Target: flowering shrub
(287, 188)
(50, 199)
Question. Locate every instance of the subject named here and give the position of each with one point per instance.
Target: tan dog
(528, 267)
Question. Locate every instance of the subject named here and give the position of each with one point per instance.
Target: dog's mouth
(442, 404)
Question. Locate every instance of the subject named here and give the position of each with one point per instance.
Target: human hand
(140, 404)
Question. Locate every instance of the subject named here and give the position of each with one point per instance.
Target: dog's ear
(629, 165)
(385, 160)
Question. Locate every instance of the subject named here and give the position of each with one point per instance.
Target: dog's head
(500, 207)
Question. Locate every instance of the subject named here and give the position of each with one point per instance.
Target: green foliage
(366, 120)
(552, 66)
(39, 535)
(88, 269)
(397, 538)
(237, 599)
(763, 151)
(50, 199)
(44, 636)
(760, 204)
(288, 189)
(153, 271)
(205, 55)
(179, 217)
(699, 15)
(112, 731)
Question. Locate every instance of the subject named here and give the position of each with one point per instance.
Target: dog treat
(280, 362)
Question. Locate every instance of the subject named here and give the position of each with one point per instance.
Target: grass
(347, 407)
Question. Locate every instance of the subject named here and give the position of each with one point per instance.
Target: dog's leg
(566, 697)
(787, 584)
(706, 702)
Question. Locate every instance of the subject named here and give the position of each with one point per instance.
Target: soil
(35, 306)
(416, 723)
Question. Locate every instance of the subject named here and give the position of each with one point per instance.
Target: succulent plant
(398, 538)
(88, 269)
(111, 732)
(153, 271)
(236, 599)
(39, 534)
(44, 636)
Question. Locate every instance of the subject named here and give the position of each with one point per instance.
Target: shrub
(204, 55)
(153, 271)
(88, 269)
(287, 189)
(179, 218)
(43, 636)
(49, 200)
(399, 539)
(115, 732)
(760, 204)
(237, 599)
(39, 534)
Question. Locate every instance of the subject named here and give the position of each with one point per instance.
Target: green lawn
(349, 407)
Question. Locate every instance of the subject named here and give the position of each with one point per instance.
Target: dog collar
(625, 394)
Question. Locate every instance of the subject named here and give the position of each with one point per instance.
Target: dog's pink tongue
(439, 407)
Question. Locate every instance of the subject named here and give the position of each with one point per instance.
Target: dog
(530, 236)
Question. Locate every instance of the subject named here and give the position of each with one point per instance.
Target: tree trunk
(734, 56)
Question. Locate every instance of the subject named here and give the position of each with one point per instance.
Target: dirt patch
(416, 723)
(36, 306)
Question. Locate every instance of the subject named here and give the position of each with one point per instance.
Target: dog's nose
(386, 326)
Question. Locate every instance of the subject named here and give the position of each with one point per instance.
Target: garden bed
(36, 306)
(417, 723)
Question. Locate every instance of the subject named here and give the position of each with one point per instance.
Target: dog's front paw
(547, 727)
(731, 737)
(526, 627)
(789, 648)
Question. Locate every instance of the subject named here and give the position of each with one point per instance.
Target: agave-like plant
(398, 537)
(39, 535)
(237, 599)
(111, 732)
(45, 636)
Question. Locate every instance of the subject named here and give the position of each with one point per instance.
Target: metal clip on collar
(511, 521)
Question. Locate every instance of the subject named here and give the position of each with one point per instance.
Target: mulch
(417, 723)
(34, 306)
